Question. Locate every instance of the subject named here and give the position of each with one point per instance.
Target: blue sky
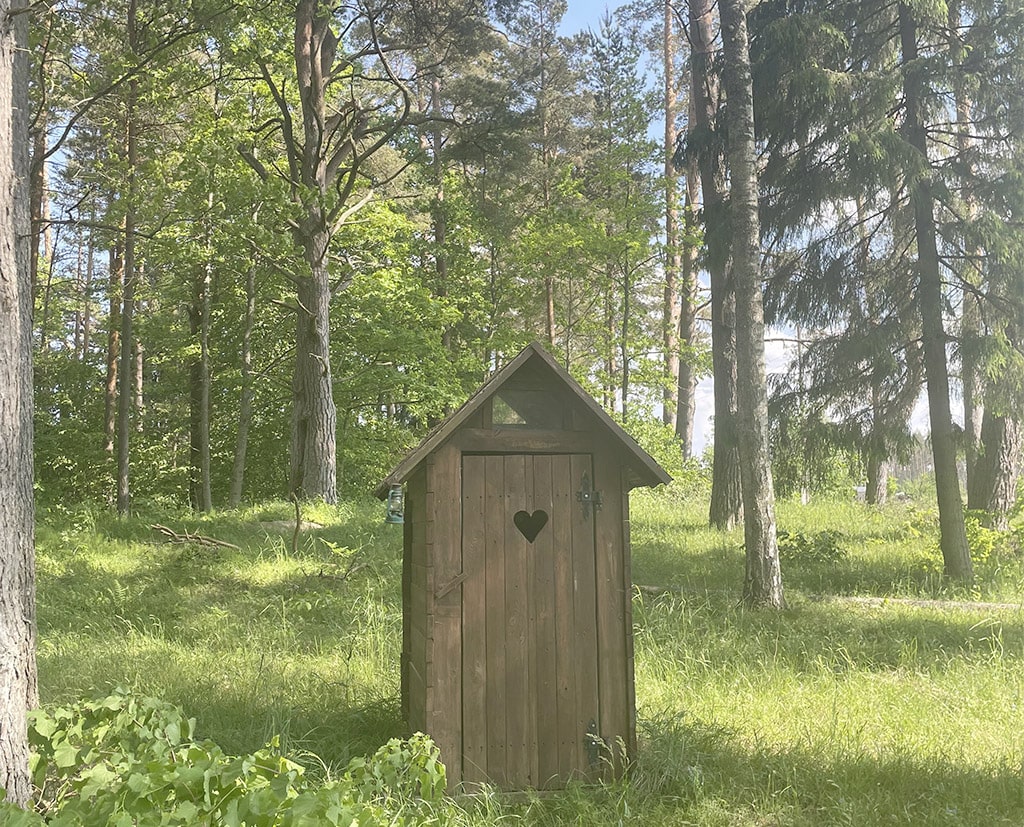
(583, 14)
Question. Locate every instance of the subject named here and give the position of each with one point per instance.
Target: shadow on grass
(254, 642)
(714, 632)
(698, 766)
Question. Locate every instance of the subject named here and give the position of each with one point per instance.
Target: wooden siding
(444, 609)
(517, 642)
(415, 552)
(613, 594)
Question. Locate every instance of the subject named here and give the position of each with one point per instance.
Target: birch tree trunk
(763, 582)
(17, 567)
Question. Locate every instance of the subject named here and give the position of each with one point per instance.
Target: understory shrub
(820, 547)
(125, 760)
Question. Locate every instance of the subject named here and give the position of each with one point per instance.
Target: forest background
(264, 233)
(271, 246)
(500, 184)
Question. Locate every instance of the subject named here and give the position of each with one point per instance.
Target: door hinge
(593, 744)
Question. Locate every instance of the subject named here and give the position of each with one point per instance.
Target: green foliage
(820, 547)
(130, 760)
(991, 549)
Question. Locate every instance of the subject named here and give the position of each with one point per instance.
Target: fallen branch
(191, 537)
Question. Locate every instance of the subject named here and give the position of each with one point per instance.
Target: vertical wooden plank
(611, 602)
(627, 582)
(516, 627)
(416, 495)
(474, 621)
(531, 622)
(544, 697)
(446, 552)
(568, 743)
(494, 556)
(407, 540)
(585, 614)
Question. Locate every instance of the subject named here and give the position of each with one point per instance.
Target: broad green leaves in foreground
(130, 760)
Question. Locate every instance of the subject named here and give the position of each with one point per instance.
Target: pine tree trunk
(763, 582)
(115, 297)
(18, 691)
(687, 396)
(314, 418)
(200, 495)
(79, 281)
(953, 538)
(726, 497)
(970, 317)
(90, 273)
(126, 371)
(672, 304)
(970, 380)
(994, 483)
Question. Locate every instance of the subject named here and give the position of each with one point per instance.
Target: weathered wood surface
(518, 639)
(526, 685)
(444, 552)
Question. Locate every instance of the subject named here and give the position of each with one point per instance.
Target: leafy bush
(820, 547)
(129, 760)
(990, 547)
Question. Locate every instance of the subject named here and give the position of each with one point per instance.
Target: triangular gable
(646, 470)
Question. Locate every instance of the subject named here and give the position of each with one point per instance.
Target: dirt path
(966, 605)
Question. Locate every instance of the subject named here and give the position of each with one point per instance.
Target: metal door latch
(588, 497)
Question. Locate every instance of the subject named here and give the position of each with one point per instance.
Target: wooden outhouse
(517, 650)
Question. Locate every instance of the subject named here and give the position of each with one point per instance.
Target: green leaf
(65, 755)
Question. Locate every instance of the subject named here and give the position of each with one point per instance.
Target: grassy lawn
(839, 710)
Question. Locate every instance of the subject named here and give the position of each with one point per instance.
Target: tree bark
(18, 692)
(953, 538)
(115, 296)
(672, 304)
(687, 395)
(314, 415)
(200, 494)
(245, 402)
(726, 498)
(90, 273)
(970, 316)
(993, 486)
(126, 391)
(763, 582)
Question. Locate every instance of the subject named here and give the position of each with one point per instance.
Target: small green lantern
(395, 506)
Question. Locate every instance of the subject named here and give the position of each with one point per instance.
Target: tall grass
(835, 711)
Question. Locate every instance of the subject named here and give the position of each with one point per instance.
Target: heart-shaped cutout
(530, 525)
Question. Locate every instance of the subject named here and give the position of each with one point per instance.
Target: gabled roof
(645, 468)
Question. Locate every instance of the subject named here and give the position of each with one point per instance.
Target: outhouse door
(529, 619)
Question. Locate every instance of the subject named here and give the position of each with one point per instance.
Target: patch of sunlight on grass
(832, 712)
